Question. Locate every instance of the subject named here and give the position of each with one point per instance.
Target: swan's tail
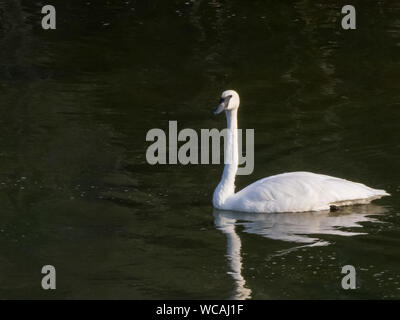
(377, 194)
(381, 193)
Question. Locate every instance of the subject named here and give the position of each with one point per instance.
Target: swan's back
(298, 192)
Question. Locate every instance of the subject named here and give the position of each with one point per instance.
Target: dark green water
(76, 191)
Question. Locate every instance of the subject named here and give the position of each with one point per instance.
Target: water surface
(76, 190)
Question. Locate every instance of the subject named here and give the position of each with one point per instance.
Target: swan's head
(229, 101)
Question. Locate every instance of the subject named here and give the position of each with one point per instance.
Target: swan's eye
(225, 99)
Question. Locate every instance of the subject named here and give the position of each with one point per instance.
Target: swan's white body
(287, 192)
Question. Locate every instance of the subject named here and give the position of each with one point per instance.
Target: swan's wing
(300, 191)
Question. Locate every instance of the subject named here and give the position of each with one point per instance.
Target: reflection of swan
(234, 246)
(293, 227)
(288, 192)
(297, 227)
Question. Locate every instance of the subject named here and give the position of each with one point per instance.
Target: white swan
(287, 192)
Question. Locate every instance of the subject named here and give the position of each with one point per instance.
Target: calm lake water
(76, 191)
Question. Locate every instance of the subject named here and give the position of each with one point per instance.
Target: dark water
(76, 191)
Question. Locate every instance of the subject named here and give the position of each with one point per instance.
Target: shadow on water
(300, 228)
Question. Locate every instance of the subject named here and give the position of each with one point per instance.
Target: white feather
(298, 192)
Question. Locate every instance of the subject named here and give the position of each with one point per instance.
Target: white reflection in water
(234, 246)
(301, 228)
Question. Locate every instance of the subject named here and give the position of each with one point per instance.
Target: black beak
(223, 104)
(219, 109)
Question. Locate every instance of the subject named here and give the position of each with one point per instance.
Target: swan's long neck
(226, 187)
